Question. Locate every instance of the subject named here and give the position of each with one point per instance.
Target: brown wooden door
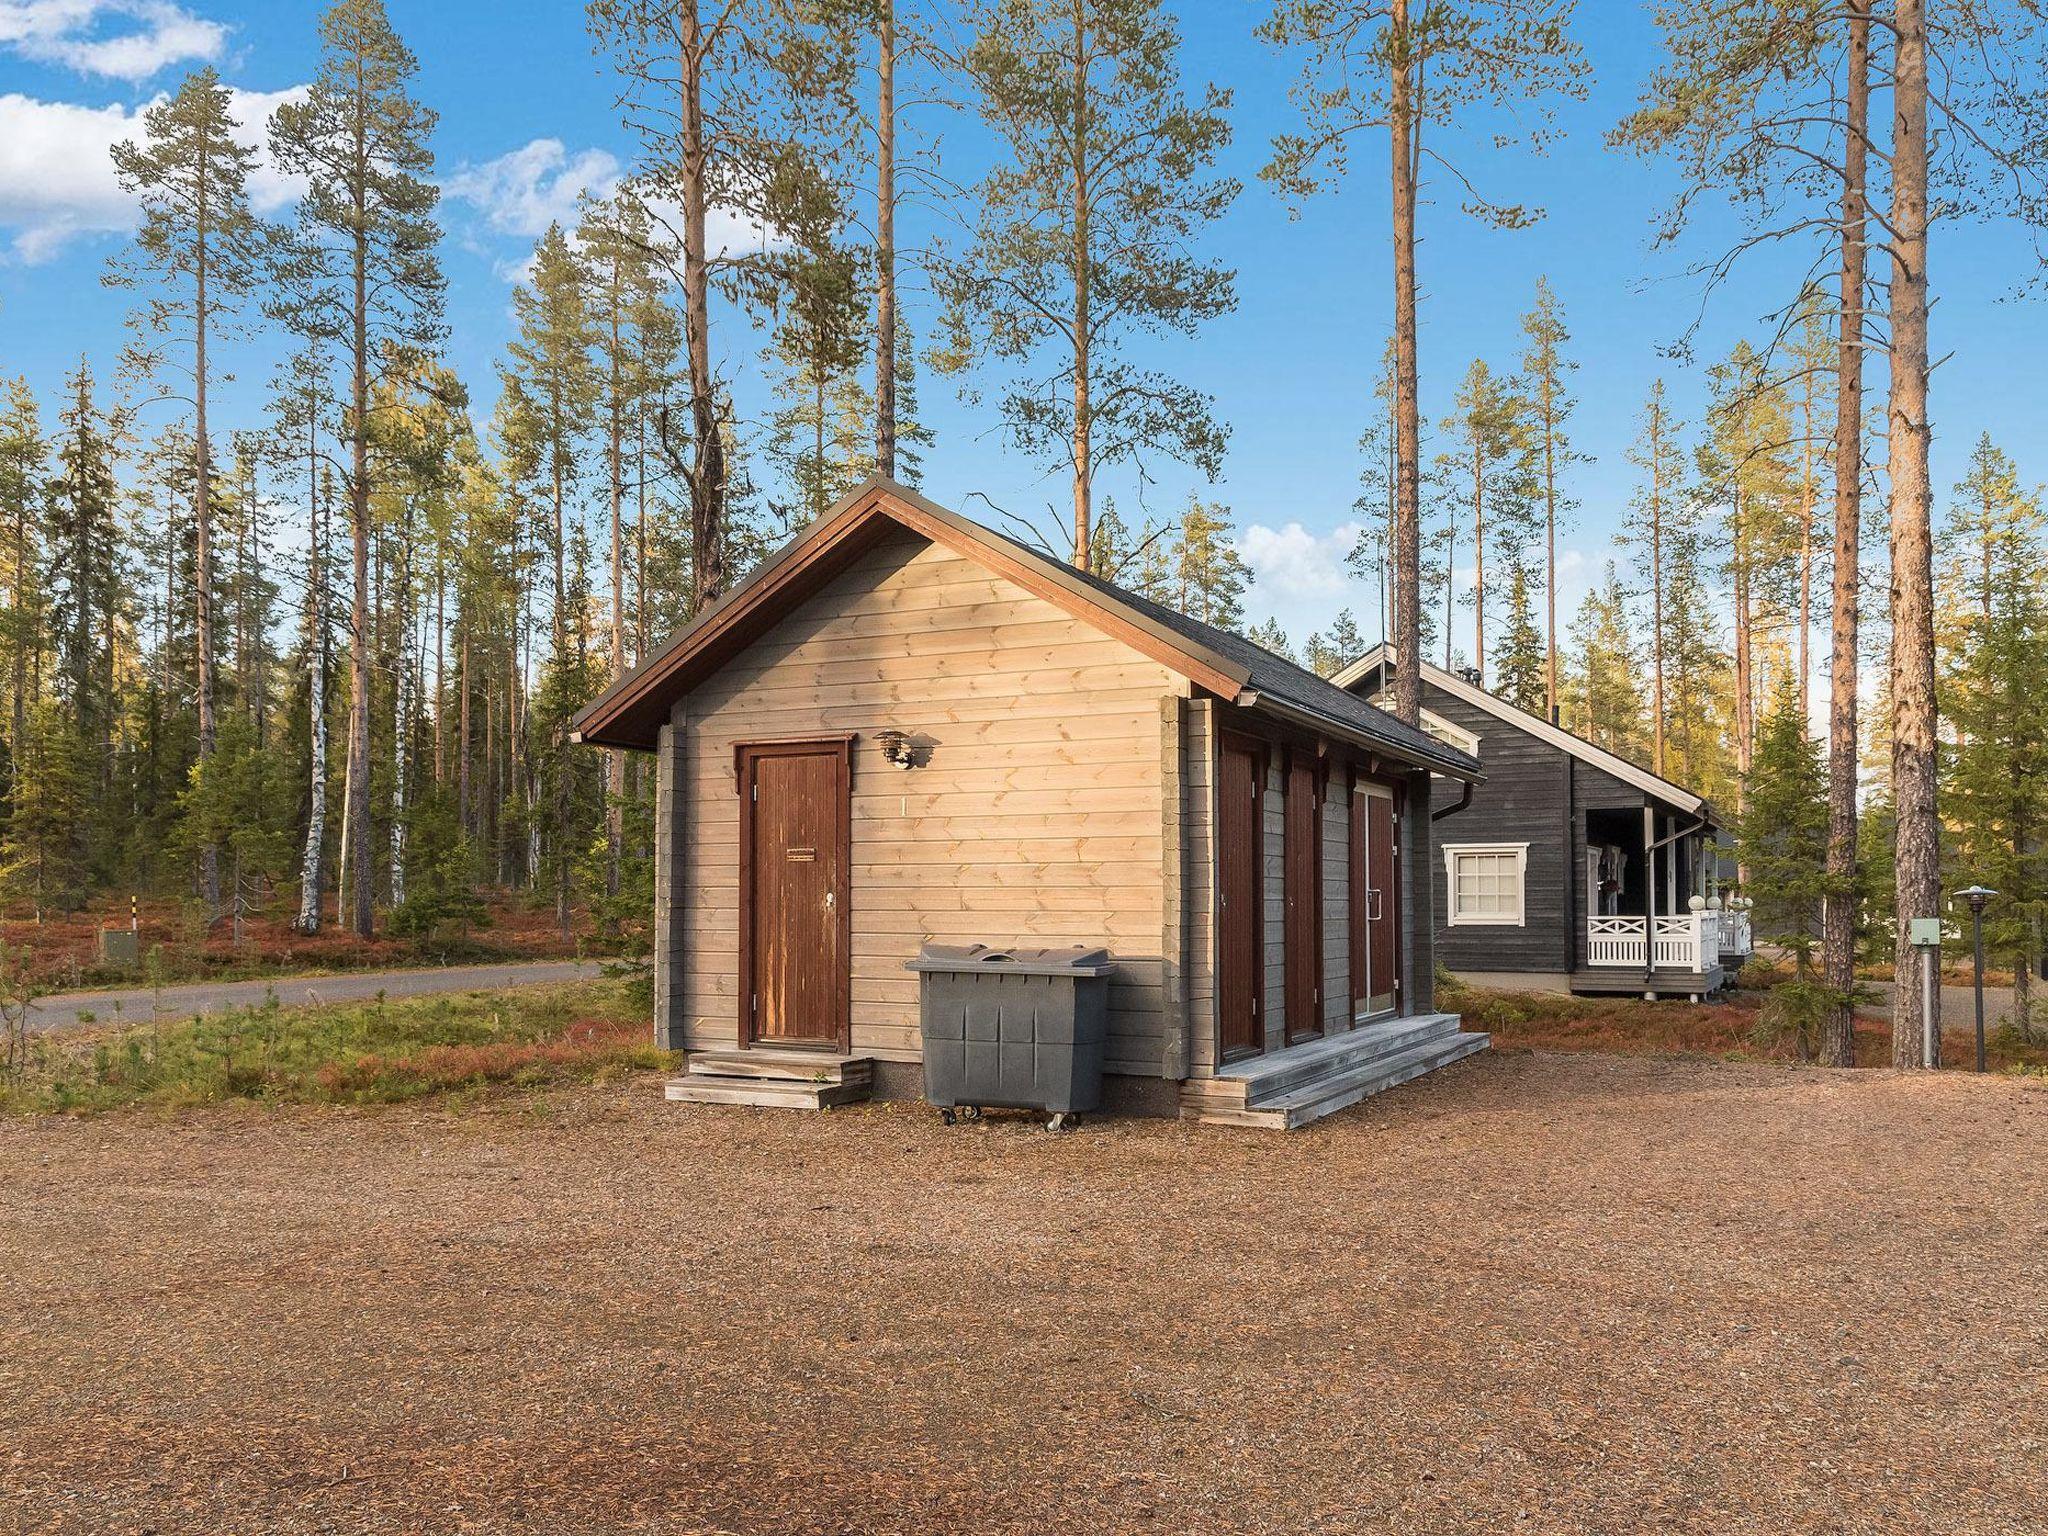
(1303, 874)
(795, 952)
(1382, 902)
(1240, 907)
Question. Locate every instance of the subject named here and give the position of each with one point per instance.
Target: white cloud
(1293, 568)
(525, 190)
(57, 172)
(120, 39)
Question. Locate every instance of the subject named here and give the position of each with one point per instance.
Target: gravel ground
(1543, 1294)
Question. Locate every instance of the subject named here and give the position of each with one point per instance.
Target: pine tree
(1604, 698)
(1545, 372)
(1782, 837)
(1781, 845)
(1273, 637)
(364, 273)
(199, 253)
(1995, 696)
(1210, 576)
(1659, 495)
(1370, 66)
(43, 849)
(1490, 467)
(1520, 674)
(24, 469)
(1085, 233)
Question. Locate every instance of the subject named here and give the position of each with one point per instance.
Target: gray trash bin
(1019, 1028)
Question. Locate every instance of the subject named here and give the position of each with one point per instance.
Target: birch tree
(1371, 65)
(365, 275)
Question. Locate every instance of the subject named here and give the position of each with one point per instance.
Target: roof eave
(1449, 767)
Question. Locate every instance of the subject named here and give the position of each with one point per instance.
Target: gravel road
(1579, 1295)
(61, 1010)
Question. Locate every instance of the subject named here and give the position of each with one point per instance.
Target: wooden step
(765, 1092)
(783, 1066)
(1338, 1090)
(1266, 1078)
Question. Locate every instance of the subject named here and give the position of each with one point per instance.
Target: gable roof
(631, 712)
(1378, 660)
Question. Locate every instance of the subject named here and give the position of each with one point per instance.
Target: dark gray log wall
(1527, 798)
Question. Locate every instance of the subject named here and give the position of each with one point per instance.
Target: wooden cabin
(1569, 859)
(905, 727)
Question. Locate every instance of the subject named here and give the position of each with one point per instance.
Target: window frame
(1519, 852)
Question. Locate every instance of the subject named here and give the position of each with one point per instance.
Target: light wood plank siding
(1273, 840)
(1337, 905)
(1037, 818)
(1199, 828)
(1173, 951)
(670, 946)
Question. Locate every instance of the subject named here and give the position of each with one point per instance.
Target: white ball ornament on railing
(1697, 904)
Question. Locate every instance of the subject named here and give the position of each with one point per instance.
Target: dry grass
(1727, 1031)
(377, 1051)
(63, 955)
(1533, 1293)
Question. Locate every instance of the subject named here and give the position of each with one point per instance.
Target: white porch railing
(1735, 937)
(1689, 941)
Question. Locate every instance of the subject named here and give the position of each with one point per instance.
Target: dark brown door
(1382, 902)
(794, 941)
(1303, 860)
(1240, 907)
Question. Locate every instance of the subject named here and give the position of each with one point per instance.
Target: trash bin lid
(1013, 960)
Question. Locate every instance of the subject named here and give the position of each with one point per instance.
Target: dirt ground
(1533, 1293)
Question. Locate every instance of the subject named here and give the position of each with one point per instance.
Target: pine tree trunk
(356, 800)
(1917, 858)
(1407, 428)
(885, 242)
(202, 515)
(1549, 560)
(401, 711)
(707, 470)
(1838, 912)
(1478, 562)
(1083, 297)
(615, 463)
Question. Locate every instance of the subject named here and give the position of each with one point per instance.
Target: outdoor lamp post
(1976, 896)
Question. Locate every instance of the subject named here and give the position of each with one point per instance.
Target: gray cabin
(905, 727)
(1569, 859)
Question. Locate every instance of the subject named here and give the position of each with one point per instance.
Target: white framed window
(1485, 882)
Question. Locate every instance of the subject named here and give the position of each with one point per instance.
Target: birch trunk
(311, 862)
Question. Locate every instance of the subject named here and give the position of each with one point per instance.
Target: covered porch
(1654, 921)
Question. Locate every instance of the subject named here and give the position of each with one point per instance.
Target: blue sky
(527, 119)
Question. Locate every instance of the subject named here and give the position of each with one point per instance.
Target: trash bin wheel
(1065, 1121)
(974, 1111)
(949, 1117)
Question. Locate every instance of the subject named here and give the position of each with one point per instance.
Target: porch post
(1649, 899)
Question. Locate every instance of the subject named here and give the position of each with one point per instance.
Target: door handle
(831, 900)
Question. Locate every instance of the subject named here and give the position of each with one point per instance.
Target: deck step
(1265, 1078)
(773, 1079)
(1338, 1089)
(765, 1092)
(783, 1066)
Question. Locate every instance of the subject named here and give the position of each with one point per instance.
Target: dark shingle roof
(1273, 677)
